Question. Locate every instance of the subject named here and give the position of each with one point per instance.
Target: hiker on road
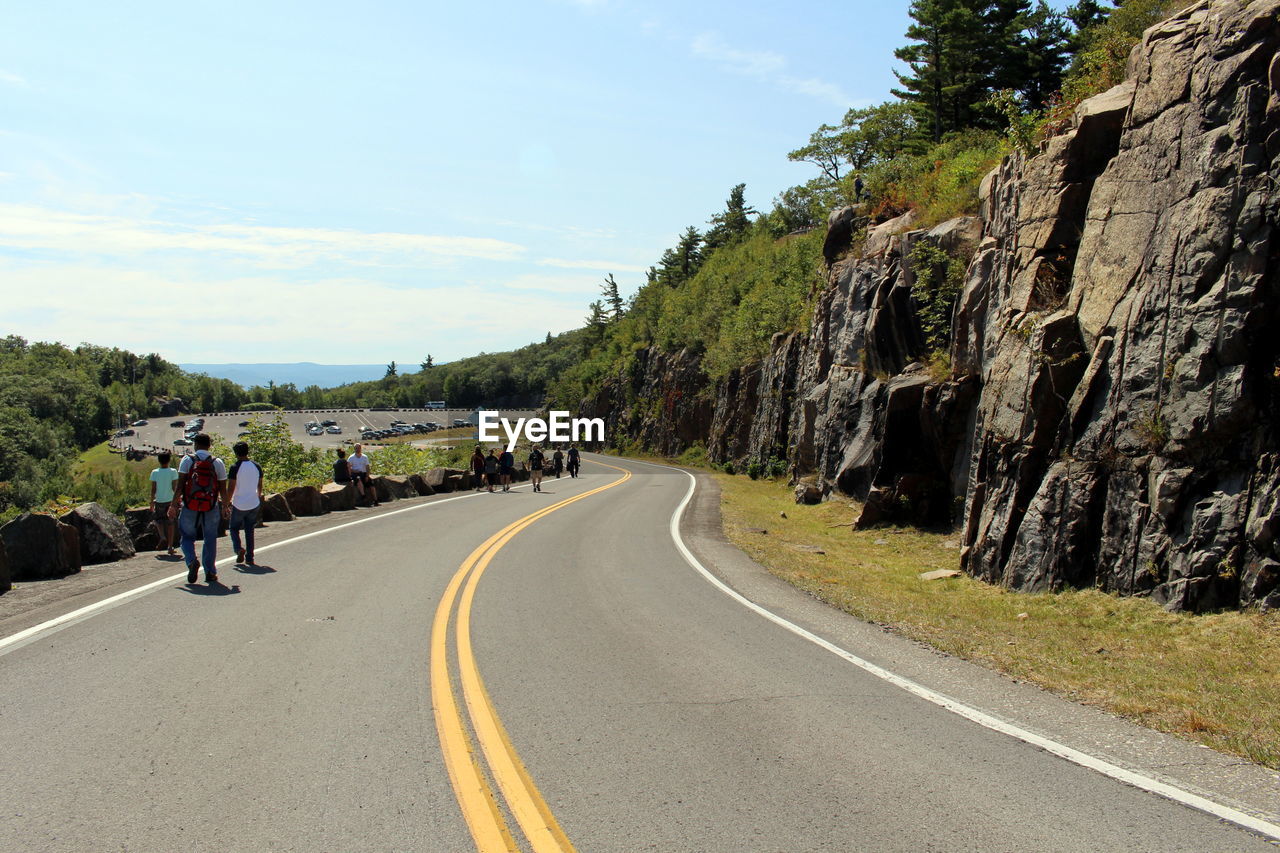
(557, 463)
(506, 468)
(575, 461)
(535, 467)
(477, 468)
(491, 470)
(244, 483)
(162, 481)
(202, 486)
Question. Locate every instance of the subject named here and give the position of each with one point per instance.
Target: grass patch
(100, 460)
(1213, 678)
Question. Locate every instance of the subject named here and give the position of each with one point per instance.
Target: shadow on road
(211, 589)
(254, 570)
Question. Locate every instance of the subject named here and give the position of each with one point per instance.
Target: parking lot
(159, 434)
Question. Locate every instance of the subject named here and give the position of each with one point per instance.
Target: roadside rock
(392, 487)
(6, 577)
(275, 507)
(40, 547)
(103, 537)
(141, 529)
(338, 497)
(304, 500)
(420, 485)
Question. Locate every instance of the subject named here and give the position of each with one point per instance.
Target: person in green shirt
(162, 480)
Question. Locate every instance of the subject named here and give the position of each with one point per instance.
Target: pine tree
(428, 362)
(729, 226)
(612, 299)
(391, 371)
(678, 265)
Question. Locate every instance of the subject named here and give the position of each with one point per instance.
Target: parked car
(459, 422)
(139, 423)
(127, 432)
(243, 423)
(316, 430)
(334, 430)
(178, 424)
(328, 422)
(242, 434)
(182, 442)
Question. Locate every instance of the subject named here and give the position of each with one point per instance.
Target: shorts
(507, 470)
(492, 478)
(360, 477)
(162, 510)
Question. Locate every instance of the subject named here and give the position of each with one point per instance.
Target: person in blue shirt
(506, 467)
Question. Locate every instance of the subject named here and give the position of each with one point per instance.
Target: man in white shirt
(244, 483)
(360, 473)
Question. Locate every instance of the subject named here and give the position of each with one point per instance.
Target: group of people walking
(192, 500)
(498, 469)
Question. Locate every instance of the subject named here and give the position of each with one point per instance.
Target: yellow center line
(475, 797)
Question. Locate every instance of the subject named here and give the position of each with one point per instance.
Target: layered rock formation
(1109, 414)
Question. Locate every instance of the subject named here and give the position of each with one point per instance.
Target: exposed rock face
(40, 547)
(420, 485)
(1110, 414)
(103, 537)
(304, 500)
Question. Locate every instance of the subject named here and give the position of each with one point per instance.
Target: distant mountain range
(301, 374)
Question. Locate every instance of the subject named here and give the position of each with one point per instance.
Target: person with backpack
(535, 467)
(477, 468)
(244, 484)
(162, 480)
(575, 461)
(557, 463)
(202, 489)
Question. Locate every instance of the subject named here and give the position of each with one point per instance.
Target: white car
(334, 430)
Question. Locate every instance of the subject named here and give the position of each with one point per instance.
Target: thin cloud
(766, 66)
(30, 227)
(589, 265)
(569, 284)
(11, 78)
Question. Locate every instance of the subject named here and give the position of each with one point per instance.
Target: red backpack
(201, 491)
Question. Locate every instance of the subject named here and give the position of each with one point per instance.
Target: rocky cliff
(1109, 415)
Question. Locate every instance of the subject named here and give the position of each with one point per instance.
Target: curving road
(521, 671)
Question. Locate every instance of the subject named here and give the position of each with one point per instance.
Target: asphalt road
(616, 701)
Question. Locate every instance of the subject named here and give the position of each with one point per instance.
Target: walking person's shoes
(211, 578)
(248, 559)
(240, 555)
(192, 568)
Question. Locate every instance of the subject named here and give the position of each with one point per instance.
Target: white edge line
(1137, 780)
(89, 609)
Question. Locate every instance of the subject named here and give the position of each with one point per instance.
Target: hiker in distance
(477, 468)
(491, 469)
(575, 461)
(557, 463)
(162, 482)
(506, 468)
(244, 484)
(202, 488)
(535, 467)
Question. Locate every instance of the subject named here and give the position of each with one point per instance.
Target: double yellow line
(471, 786)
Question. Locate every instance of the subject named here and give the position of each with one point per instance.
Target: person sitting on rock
(360, 474)
(342, 469)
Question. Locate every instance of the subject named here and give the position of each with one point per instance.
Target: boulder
(393, 487)
(103, 537)
(455, 483)
(6, 580)
(304, 500)
(141, 529)
(276, 508)
(465, 480)
(420, 485)
(438, 479)
(808, 493)
(338, 497)
(39, 547)
(880, 236)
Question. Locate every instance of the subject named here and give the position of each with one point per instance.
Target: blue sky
(357, 183)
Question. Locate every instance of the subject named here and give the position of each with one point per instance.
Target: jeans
(248, 519)
(187, 521)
